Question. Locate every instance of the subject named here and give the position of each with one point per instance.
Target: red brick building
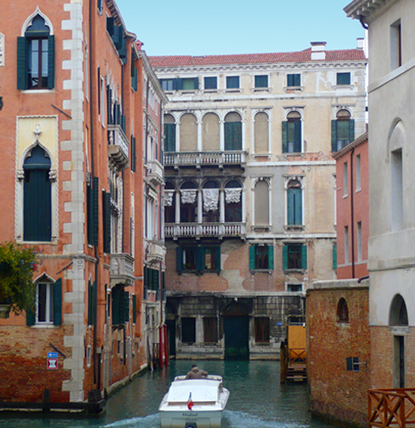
(338, 350)
(352, 202)
(78, 149)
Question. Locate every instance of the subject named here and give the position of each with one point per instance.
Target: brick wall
(336, 393)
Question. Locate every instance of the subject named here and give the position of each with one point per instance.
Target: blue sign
(52, 355)
(279, 323)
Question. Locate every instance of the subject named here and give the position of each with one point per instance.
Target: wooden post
(283, 361)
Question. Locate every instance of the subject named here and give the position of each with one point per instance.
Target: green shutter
(285, 136)
(252, 257)
(200, 259)
(334, 136)
(110, 25)
(285, 257)
(106, 200)
(179, 259)
(179, 84)
(95, 208)
(30, 317)
(109, 110)
(22, 63)
(304, 257)
(156, 279)
(133, 153)
(57, 302)
(217, 255)
(334, 256)
(169, 137)
(351, 130)
(233, 136)
(196, 84)
(228, 136)
(115, 305)
(145, 277)
(126, 306)
(134, 308)
(270, 257)
(290, 207)
(297, 136)
(298, 206)
(51, 62)
(89, 216)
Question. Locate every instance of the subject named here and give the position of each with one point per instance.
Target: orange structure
(81, 137)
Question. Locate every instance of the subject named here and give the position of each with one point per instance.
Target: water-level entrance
(257, 399)
(236, 329)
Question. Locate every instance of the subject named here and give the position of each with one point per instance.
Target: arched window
(291, 133)
(342, 311)
(398, 315)
(36, 57)
(169, 203)
(261, 203)
(233, 131)
(233, 202)
(169, 133)
(294, 203)
(261, 133)
(188, 133)
(210, 133)
(211, 202)
(188, 202)
(342, 130)
(37, 202)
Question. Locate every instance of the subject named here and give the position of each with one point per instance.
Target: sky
(220, 27)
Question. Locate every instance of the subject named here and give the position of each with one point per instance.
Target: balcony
(155, 252)
(155, 173)
(205, 230)
(199, 159)
(117, 146)
(392, 408)
(121, 269)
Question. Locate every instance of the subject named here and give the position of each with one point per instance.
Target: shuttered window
(106, 213)
(232, 82)
(211, 83)
(261, 81)
(293, 80)
(343, 79)
(48, 304)
(198, 259)
(294, 256)
(233, 135)
(342, 133)
(291, 136)
(261, 257)
(169, 137)
(294, 204)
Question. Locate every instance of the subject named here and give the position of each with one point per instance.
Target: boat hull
(191, 419)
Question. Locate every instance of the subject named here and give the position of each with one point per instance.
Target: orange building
(81, 121)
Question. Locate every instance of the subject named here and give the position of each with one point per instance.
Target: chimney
(318, 50)
(360, 43)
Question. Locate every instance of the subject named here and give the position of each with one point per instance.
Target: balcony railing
(155, 173)
(121, 269)
(118, 146)
(190, 230)
(199, 159)
(392, 408)
(156, 252)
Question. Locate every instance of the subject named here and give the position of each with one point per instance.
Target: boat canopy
(201, 390)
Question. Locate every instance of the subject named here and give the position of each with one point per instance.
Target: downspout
(352, 211)
(97, 378)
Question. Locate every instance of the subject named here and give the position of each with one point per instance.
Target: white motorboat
(194, 403)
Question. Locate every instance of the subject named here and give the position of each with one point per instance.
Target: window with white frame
(44, 303)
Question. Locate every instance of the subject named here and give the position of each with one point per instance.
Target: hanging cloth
(210, 199)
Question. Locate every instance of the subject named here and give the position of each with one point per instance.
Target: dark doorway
(236, 329)
(171, 337)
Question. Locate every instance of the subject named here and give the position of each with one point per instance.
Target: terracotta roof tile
(302, 56)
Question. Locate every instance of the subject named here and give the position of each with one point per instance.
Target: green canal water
(257, 399)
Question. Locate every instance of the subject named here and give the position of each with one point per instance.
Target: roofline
(357, 142)
(363, 9)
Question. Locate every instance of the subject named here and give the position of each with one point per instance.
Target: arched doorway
(398, 317)
(236, 329)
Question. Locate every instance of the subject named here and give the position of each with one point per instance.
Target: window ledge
(37, 91)
(210, 91)
(294, 227)
(293, 88)
(260, 228)
(233, 90)
(46, 325)
(265, 89)
(343, 86)
(263, 344)
(293, 270)
(187, 91)
(268, 271)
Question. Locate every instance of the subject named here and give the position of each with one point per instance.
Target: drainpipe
(97, 378)
(352, 211)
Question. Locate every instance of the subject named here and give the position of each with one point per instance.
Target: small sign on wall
(52, 361)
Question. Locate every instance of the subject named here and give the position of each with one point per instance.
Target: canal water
(257, 399)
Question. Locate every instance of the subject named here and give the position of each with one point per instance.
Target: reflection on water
(257, 399)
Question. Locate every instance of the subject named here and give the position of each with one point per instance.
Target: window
(233, 202)
(198, 259)
(358, 174)
(261, 81)
(188, 330)
(188, 202)
(293, 80)
(359, 241)
(396, 45)
(210, 195)
(295, 287)
(343, 79)
(261, 257)
(120, 305)
(397, 189)
(233, 131)
(189, 84)
(345, 180)
(262, 203)
(210, 330)
(36, 57)
(342, 311)
(262, 330)
(261, 133)
(211, 83)
(48, 309)
(169, 203)
(294, 203)
(169, 133)
(291, 133)
(37, 199)
(334, 256)
(294, 256)
(151, 278)
(346, 244)
(342, 130)
(232, 82)
(167, 84)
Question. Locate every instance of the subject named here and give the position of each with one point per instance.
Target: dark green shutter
(252, 257)
(95, 208)
(270, 257)
(156, 281)
(285, 257)
(290, 80)
(145, 277)
(298, 206)
(196, 84)
(133, 153)
(179, 84)
(351, 130)
(134, 79)
(334, 256)
(109, 110)
(57, 302)
(134, 308)
(106, 202)
(169, 137)
(89, 215)
(22, 63)
(297, 136)
(304, 257)
(290, 207)
(285, 136)
(110, 25)
(51, 62)
(200, 259)
(179, 259)
(217, 256)
(334, 136)
(30, 317)
(126, 306)
(115, 305)
(233, 136)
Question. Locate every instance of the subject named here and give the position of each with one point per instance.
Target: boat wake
(150, 421)
(233, 419)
